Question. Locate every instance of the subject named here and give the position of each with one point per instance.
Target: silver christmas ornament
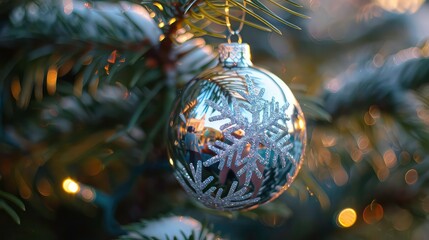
(236, 134)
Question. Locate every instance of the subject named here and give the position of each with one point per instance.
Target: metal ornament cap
(235, 55)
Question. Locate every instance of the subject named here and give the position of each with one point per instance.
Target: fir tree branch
(200, 14)
(389, 89)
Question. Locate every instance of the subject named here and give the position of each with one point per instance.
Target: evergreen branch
(8, 209)
(198, 11)
(387, 88)
(13, 199)
(220, 13)
(289, 10)
(380, 86)
(260, 6)
(99, 40)
(12, 213)
(293, 3)
(174, 227)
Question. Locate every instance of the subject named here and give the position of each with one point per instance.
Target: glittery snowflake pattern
(266, 127)
(195, 185)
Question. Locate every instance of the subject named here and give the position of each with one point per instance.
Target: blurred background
(86, 89)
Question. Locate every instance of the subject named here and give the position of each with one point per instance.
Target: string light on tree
(347, 217)
(70, 186)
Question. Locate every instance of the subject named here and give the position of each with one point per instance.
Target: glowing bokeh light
(402, 220)
(329, 140)
(51, 80)
(159, 6)
(300, 124)
(363, 142)
(16, 88)
(369, 120)
(400, 6)
(411, 176)
(373, 213)
(88, 194)
(374, 111)
(425, 204)
(44, 187)
(389, 158)
(68, 6)
(347, 217)
(70, 186)
(25, 191)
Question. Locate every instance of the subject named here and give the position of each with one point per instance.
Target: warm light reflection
(158, 5)
(340, 176)
(171, 162)
(68, 6)
(356, 155)
(24, 191)
(373, 213)
(106, 68)
(400, 6)
(16, 88)
(424, 51)
(171, 21)
(382, 174)
(347, 217)
(93, 87)
(402, 220)
(378, 60)
(299, 124)
(272, 220)
(389, 158)
(87, 194)
(113, 56)
(78, 85)
(425, 204)
(161, 37)
(417, 158)
(374, 111)
(334, 85)
(329, 140)
(51, 80)
(423, 114)
(406, 55)
(44, 187)
(369, 120)
(363, 142)
(184, 37)
(65, 68)
(70, 186)
(411, 177)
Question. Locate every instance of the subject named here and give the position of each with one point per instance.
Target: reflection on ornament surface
(237, 134)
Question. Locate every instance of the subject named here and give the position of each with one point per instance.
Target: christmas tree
(87, 89)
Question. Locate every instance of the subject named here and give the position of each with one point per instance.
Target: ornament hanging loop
(231, 31)
(239, 39)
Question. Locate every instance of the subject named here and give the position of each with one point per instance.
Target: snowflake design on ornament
(266, 127)
(195, 185)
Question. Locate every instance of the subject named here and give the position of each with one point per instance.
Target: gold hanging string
(231, 31)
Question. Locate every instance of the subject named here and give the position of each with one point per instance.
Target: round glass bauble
(236, 134)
